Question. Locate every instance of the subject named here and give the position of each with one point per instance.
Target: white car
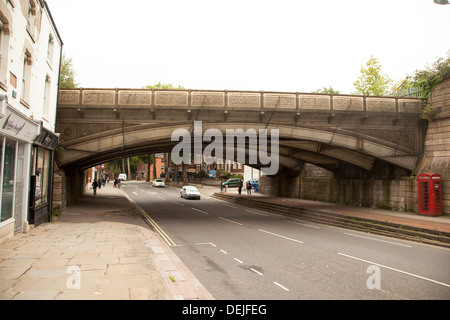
(122, 177)
(189, 192)
(158, 183)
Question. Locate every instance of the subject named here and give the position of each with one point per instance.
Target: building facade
(30, 55)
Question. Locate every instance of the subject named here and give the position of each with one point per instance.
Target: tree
(328, 90)
(160, 85)
(428, 78)
(372, 82)
(67, 73)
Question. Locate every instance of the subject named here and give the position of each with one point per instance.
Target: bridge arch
(319, 147)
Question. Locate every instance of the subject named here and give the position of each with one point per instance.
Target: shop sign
(17, 126)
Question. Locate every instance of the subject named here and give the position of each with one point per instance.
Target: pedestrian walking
(240, 186)
(99, 183)
(249, 188)
(94, 186)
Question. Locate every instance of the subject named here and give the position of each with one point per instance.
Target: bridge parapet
(233, 100)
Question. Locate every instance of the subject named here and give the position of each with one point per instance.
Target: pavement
(98, 249)
(101, 249)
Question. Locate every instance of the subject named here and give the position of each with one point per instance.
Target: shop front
(17, 133)
(41, 177)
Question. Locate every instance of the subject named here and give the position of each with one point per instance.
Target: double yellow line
(161, 232)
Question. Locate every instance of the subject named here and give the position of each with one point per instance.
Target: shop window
(8, 180)
(1, 171)
(42, 177)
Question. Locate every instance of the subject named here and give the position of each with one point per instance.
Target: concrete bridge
(331, 131)
(360, 139)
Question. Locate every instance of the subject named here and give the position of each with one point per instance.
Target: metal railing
(414, 92)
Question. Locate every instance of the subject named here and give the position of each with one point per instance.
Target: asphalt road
(241, 253)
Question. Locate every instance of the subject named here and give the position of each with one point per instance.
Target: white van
(122, 177)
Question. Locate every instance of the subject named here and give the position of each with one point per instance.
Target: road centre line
(180, 204)
(135, 193)
(256, 271)
(278, 235)
(203, 243)
(241, 262)
(390, 242)
(393, 269)
(161, 198)
(282, 287)
(231, 221)
(199, 210)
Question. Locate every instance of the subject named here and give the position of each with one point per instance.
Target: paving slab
(98, 249)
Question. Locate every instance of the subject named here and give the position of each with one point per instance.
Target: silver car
(188, 192)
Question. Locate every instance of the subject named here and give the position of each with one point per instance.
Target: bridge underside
(351, 144)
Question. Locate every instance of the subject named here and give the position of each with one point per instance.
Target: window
(26, 77)
(1, 44)
(31, 18)
(4, 50)
(8, 180)
(47, 97)
(50, 49)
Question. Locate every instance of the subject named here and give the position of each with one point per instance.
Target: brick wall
(59, 192)
(437, 141)
(394, 194)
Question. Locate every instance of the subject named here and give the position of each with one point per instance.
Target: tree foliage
(428, 78)
(372, 82)
(160, 85)
(328, 90)
(67, 73)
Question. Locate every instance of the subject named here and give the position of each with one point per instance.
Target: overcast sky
(283, 45)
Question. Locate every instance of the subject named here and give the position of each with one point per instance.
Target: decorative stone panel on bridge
(380, 104)
(208, 99)
(244, 100)
(98, 98)
(348, 103)
(315, 102)
(135, 98)
(69, 97)
(409, 106)
(279, 101)
(171, 98)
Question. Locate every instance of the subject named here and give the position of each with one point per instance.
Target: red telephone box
(430, 194)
